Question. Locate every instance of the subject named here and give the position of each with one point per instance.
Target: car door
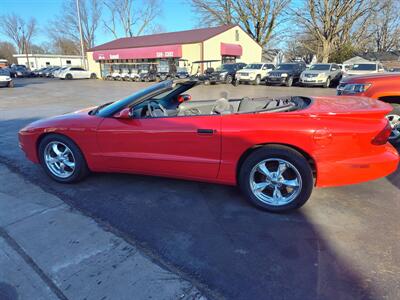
(184, 146)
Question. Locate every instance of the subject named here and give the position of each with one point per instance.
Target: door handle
(205, 131)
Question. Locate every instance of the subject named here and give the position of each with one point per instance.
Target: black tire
(289, 82)
(277, 152)
(257, 81)
(395, 140)
(81, 170)
(11, 84)
(228, 79)
(68, 76)
(93, 76)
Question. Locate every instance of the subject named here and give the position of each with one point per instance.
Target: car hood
(315, 72)
(66, 121)
(248, 70)
(370, 77)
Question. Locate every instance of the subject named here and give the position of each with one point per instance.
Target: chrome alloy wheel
(394, 121)
(59, 159)
(275, 181)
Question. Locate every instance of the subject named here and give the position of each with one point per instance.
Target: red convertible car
(275, 149)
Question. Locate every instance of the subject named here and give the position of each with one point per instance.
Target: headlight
(284, 75)
(322, 75)
(355, 88)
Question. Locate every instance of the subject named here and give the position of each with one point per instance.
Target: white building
(37, 61)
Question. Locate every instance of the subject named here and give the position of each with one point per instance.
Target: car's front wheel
(276, 178)
(228, 79)
(257, 81)
(62, 159)
(11, 84)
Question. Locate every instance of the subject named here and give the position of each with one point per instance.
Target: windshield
(285, 67)
(4, 72)
(364, 67)
(253, 66)
(117, 105)
(320, 67)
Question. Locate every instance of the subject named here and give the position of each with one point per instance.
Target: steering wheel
(152, 108)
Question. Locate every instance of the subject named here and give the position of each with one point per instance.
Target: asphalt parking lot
(343, 244)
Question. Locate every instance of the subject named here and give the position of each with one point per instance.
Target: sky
(176, 15)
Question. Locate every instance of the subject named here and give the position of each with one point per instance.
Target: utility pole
(25, 45)
(80, 33)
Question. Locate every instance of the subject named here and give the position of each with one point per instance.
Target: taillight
(383, 135)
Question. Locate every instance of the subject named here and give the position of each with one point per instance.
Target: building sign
(167, 51)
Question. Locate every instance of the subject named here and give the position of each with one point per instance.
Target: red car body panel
(335, 133)
(382, 85)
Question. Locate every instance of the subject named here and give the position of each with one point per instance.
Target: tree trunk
(326, 51)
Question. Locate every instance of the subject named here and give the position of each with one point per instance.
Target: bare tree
(258, 17)
(19, 31)
(66, 25)
(327, 20)
(7, 50)
(133, 17)
(384, 28)
(214, 12)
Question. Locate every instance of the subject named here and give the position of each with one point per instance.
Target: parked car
(321, 75)
(364, 69)
(76, 73)
(249, 142)
(225, 73)
(21, 71)
(49, 72)
(254, 73)
(5, 79)
(56, 73)
(385, 87)
(11, 71)
(285, 74)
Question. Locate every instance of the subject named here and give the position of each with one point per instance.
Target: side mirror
(125, 114)
(184, 97)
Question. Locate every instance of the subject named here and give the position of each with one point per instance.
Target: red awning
(231, 49)
(166, 51)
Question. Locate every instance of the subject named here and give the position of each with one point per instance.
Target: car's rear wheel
(276, 178)
(11, 84)
(68, 76)
(61, 159)
(229, 79)
(394, 119)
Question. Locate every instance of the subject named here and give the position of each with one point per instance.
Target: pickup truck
(384, 87)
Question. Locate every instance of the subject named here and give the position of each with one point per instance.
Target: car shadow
(211, 234)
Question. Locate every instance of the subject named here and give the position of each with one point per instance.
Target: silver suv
(321, 75)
